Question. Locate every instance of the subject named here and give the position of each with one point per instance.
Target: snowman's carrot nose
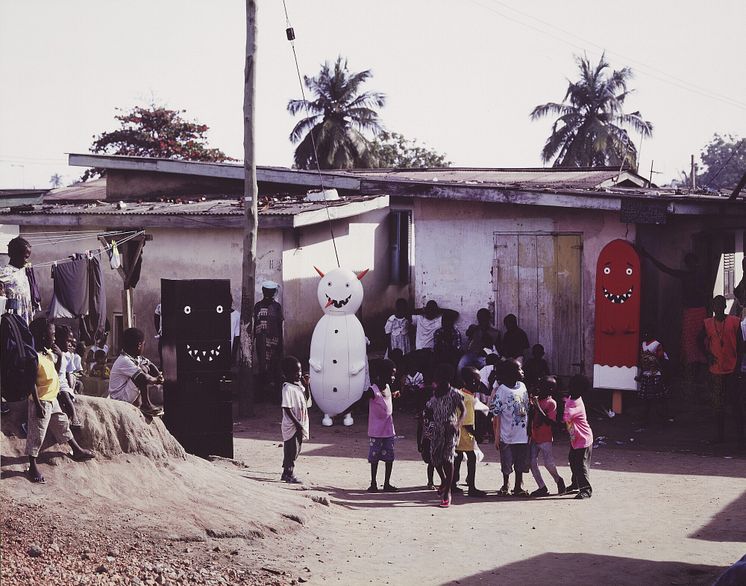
(328, 302)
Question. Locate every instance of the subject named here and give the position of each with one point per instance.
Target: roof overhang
(310, 179)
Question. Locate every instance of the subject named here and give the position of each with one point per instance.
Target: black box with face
(195, 315)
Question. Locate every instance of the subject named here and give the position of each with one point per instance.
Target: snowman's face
(340, 292)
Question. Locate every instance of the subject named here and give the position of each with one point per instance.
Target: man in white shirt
(132, 373)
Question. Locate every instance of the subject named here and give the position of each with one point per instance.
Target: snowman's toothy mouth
(206, 355)
(618, 298)
(338, 304)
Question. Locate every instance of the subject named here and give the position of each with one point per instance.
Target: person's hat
(269, 285)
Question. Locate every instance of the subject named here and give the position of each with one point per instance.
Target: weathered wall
(455, 248)
(361, 244)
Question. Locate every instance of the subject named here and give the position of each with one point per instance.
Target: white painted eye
(219, 309)
(187, 309)
(607, 270)
(629, 272)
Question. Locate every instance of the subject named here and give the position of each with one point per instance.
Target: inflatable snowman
(338, 356)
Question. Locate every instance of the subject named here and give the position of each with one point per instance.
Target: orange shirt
(721, 341)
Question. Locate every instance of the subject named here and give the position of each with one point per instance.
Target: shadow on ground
(583, 568)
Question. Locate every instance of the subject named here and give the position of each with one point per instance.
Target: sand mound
(143, 479)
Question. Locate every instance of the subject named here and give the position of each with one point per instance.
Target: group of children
(522, 423)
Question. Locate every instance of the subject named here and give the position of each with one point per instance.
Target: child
(581, 437)
(295, 397)
(515, 340)
(413, 385)
(535, 368)
(447, 345)
(447, 407)
(510, 422)
(424, 437)
(545, 412)
(44, 412)
(381, 422)
(64, 338)
(397, 329)
(99, 368)
(652, 382)
(467, 441)
(132, 373)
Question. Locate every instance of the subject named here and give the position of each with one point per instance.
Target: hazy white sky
(461, 76)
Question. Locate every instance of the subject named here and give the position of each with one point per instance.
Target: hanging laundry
(70, 288)
(115, 260)
(94, 324)
(34, 288)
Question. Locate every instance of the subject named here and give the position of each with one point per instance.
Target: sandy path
(655, 518)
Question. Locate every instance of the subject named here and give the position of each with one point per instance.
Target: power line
(641, 66)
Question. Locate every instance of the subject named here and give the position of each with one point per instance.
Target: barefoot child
(467, 440)
(296, 397)
(581, 437)
(44, 412)
(545, 412)
(510, 422)
(381, 422)
(424, 436)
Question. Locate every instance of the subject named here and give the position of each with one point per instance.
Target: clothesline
(73, 237)
(99, 251)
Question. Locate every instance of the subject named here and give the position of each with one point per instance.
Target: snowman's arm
(356, 367)
(317, 345)
(315, 364)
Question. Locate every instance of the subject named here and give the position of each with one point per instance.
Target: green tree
(392, 149)
(337, 118)
(723, 162)
(155, 131)
(588, 130)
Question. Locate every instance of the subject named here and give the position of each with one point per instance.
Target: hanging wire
(290, 33)
(50, 240)
(98, 252)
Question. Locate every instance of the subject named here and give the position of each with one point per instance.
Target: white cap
(269, 285)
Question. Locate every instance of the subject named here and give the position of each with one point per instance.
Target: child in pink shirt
(581, 437)
(381, 422)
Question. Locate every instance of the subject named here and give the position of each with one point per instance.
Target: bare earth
(145, 513)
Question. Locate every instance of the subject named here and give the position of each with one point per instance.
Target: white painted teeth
(617, 298)
(198, 355)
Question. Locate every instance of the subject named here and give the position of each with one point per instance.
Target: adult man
(132, 373)
(268, 320)
(722, 341)
(515, 340)
(16, 282)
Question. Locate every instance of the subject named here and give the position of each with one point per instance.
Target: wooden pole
(694, 174)
(248, 267)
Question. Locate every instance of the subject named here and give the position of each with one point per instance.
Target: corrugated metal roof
(549, 177)
(85, 191)
(193, 207)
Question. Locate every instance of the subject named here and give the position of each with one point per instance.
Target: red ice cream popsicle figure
(617, 317)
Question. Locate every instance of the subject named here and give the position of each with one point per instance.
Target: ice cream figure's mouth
(618, 298)
(203, 355)
(338, 304)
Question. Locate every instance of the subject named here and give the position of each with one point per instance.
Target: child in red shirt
(544, 413)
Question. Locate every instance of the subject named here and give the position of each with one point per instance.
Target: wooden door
(537, 277)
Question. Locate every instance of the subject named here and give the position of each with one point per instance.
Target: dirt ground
(668, 508)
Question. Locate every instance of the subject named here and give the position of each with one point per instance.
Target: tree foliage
(588, 130)
(723, 162)
(392, 149)
(155, 131)
(338, 116)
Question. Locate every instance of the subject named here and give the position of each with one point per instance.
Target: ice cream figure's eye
(187, 309)
(629, 271)
(219, 309)
(607, 270)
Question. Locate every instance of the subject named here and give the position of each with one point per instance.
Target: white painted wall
(455, 252)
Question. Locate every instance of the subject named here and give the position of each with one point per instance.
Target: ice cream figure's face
(619, 270)
(340, 292)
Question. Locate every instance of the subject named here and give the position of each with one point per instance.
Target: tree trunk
(248, 273)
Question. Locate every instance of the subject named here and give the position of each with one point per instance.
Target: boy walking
(296, 399)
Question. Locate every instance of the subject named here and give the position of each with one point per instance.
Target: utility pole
(248, 266)
(693, 176)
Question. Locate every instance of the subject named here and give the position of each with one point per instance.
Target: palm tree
(336, 119)
(588, 131)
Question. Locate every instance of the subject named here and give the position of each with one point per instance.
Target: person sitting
(535, 367)
(515, 340)
(481, 338)
(447, 346)
(99, 368)
(131, 374)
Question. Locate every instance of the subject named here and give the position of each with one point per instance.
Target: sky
(460, 76)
